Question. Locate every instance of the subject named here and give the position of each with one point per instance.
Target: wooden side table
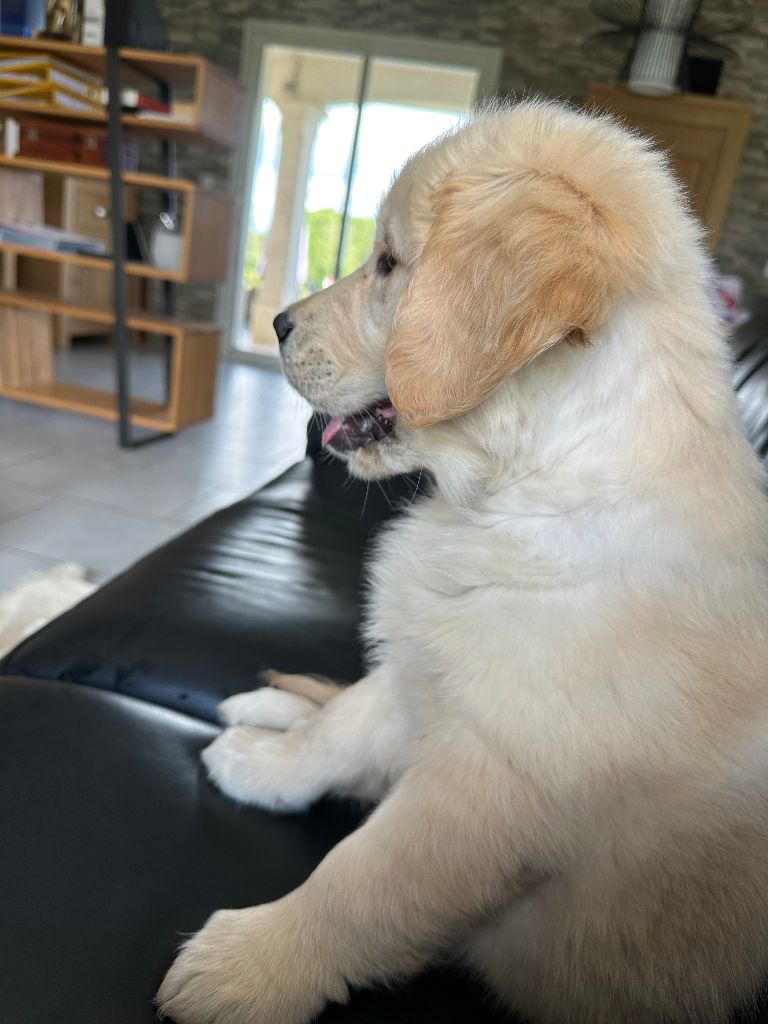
(704, 135)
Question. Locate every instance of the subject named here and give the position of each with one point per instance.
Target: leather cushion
(749, 347)
(113, 843)
(272, 581)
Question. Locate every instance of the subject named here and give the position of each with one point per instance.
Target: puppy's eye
(385, 264)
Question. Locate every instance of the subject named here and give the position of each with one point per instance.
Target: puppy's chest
(428, 582)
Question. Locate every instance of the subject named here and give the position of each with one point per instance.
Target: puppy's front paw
(261, 767)
(246, 967)
(267, 709)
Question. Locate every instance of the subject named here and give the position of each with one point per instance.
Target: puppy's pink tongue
(331, 430)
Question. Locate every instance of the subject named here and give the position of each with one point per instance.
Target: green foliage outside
(360, 235)
(323, 229)
(254, 250)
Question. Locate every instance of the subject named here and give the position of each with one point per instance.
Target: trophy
(63, 20)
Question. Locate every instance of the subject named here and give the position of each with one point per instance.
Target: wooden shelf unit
(216, 98)
(88, 262)
(193, 360)
(26, 350)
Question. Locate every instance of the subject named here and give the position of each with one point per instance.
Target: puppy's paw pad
(266, 709)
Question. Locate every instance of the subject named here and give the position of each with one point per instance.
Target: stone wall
(540, 41)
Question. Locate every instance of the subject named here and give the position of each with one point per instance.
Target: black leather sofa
(112, 842)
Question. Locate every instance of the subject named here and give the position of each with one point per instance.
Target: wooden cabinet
(704, 136)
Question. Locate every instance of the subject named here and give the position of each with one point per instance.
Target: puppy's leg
(287, 702)
(355, 745)
(318, 690)
(442, 852)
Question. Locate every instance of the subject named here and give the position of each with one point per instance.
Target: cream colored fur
(567, 718)
(38, 599)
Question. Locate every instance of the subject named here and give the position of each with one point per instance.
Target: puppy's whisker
(387, 498)
(416, 488)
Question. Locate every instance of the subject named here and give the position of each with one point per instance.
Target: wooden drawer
(88, 210)
(69, 143)
(85, 207)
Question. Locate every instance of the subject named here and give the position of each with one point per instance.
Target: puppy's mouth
(362, 429)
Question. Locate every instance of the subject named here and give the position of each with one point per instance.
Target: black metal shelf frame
(117, 31)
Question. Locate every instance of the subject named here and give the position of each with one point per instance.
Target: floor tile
(17, 566)
(18, 498)
(102, 540)
(175, 477)
(69, 493)
(28, 429)
(58, 469)
(14, 448)
(156, 489)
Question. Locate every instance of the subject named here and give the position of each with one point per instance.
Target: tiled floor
(68, 493)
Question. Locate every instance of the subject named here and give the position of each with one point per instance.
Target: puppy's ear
(512, 265)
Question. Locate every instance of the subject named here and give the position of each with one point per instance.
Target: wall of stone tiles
(540, 43)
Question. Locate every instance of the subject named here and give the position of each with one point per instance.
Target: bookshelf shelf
(17, 108)
(92, 59)
(217, 132)
(158, 181)
(137, 320)
(91, 262)
(57, 394)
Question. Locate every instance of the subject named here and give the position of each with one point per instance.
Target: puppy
(566, 721)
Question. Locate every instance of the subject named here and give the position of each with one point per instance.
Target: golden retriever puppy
(566, 722)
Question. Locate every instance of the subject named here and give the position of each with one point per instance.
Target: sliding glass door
(331, 124)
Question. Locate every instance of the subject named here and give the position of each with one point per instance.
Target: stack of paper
(42, 79)
(50, 239)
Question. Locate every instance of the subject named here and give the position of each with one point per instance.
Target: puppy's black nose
(283, 326)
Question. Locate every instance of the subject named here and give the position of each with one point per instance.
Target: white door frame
(259, 34)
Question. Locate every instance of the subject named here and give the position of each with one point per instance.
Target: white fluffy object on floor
(39, 599)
